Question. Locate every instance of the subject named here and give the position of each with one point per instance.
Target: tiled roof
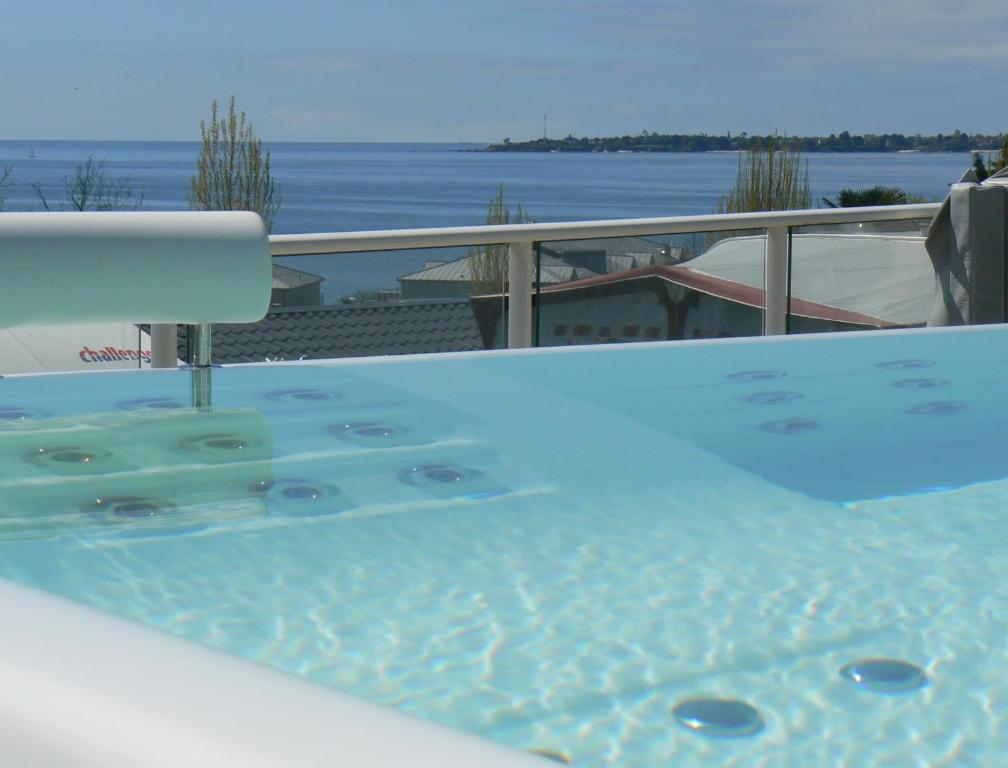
(358, 330)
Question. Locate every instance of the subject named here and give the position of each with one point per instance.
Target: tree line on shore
(702, 142)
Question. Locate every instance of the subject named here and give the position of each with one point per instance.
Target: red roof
(731, 290)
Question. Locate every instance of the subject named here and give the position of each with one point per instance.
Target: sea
(339, 187)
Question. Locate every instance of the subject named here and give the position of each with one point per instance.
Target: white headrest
(185, 267)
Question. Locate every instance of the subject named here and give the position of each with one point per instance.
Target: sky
(450, 70)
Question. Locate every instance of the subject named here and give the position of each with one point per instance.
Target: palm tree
(877, 195)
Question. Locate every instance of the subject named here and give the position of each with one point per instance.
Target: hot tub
(783, 551)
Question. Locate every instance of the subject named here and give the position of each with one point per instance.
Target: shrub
(488, 266)
(233, 172)
(770, 178)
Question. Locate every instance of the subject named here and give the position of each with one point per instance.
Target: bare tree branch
(90, 190)
(5, 180)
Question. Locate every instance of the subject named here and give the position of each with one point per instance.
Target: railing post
(775, 281)
(519, 295)
(164, 345)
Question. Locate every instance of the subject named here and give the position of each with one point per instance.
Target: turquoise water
(555, 549)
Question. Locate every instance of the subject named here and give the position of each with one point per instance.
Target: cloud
(317, 61)
(901, 33)
(396, 62)
(301, 120)
(780, 33)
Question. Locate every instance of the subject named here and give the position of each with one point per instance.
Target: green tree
(89, 189)
(233, 171)
(994, 163)
(979, 168)
(770, 177)
(488, 266)
(1000, 161)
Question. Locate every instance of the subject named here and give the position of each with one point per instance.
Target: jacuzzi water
(558, 550)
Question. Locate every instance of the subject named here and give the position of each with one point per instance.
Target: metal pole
(164, 345)
(775, 282)
(198, 352)
(519, 295)
(198, 355)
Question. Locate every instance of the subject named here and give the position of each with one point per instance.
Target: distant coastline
(702, 142)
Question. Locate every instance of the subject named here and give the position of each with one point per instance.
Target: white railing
(521, 239)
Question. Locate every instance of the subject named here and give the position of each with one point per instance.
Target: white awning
(80, 347)
(889, 277)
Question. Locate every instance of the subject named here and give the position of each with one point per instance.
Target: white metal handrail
(444, 237)
(520, 239)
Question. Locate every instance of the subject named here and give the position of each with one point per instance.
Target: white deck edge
(80, 688)
(614, 348)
